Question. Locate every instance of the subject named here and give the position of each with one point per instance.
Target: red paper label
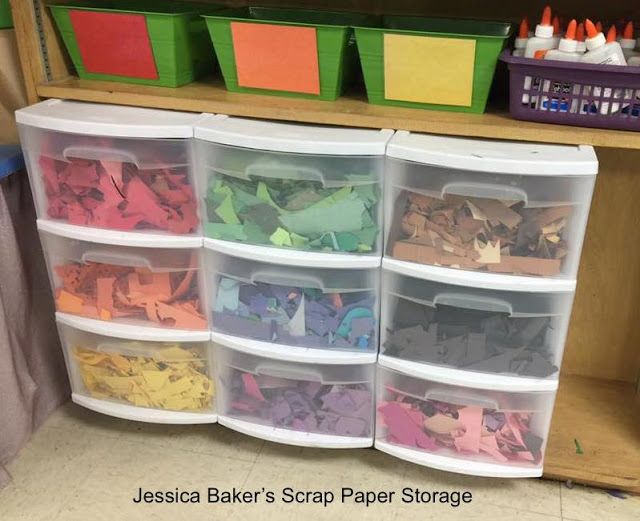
(114, 43)
(276, 57)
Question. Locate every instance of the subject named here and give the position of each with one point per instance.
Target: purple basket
(580, 94)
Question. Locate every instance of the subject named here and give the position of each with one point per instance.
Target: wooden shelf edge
(603, 416)
(346, 111)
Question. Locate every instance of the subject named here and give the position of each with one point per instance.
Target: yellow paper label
(427, 69)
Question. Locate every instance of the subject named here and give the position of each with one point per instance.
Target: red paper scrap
(114, 43)
(115, 195)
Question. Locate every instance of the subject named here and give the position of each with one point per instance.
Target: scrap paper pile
(172, 377)
(293, 214)
(108, 292)
(119, 196)
(471, 339)
(432, 426)
(482, 234)
(295, 316)
(340, 410)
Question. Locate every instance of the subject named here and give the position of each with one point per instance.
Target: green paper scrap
(229, 232)
(293, 213)
(263, 193)
(281, 237)
(343, 216)
(226, 212)
(578, 446)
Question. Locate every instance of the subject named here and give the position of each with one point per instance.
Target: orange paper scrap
(276, 57)
(107, 292)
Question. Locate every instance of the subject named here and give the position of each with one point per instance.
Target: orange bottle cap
(546, 16)
(592, 30)
(556, 25)
(524, 29)
(612, 34)
(599, 26)
(580, 32)
(628, 31)
(571, 30)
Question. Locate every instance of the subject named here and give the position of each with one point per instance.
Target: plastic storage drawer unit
(290, 309)
(514, 337)
(490, 206)
(111, 167)
(295, 187)
(467, 429)
(138, 377)
(314, 405)
(129, 285)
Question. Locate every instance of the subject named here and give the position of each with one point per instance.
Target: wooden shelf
(603, 416)
(210, 96)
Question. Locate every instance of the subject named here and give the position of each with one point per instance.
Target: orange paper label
(276, 57)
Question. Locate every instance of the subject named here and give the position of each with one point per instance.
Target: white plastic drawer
(473, 329)
(326, 308)
(308, 202)
(509, 208)
(296, 403)
(462, 429)
(114, 375)
(128, 285)
(118, 183)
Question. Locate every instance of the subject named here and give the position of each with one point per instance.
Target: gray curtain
(33, 380)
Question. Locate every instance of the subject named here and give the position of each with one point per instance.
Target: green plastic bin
(337, 56)
(177, 35)
(5, 15)
(490, 38)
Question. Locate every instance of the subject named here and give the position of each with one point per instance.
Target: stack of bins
(483, 241)
(119, 226)
(292, 224)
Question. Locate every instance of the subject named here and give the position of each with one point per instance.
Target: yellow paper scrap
(427, 69)
(172, 377)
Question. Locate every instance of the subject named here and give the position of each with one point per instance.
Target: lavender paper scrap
(335, 409)
(269, 312)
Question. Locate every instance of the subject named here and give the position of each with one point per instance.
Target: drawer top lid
(292, 138)
(494, 156)
(108, 120)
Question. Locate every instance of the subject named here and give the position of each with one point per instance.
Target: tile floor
(85, 466)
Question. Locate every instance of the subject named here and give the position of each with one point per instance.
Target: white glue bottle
(601, 50)
(522, 38)
(542, 40)
(567, 50)
(628, 42)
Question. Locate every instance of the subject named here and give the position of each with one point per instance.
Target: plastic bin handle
(486, 191)
(118, 259)
(278, 371)
(281, 170)
(100, 154)
(281, 279)
(468, 301)
(460, 397)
